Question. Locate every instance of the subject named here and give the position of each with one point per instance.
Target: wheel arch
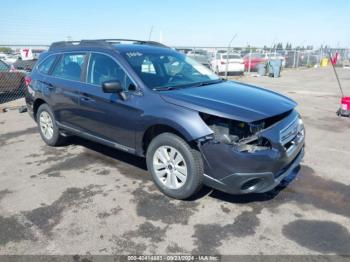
(37, 103)
(156, 129)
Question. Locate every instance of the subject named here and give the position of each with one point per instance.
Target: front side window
(103, 68)
(45, 66)
(70, 66)
(168, 69)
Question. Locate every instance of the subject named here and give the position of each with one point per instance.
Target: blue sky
(178, 22)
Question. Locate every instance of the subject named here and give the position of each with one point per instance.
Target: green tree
(5, 50)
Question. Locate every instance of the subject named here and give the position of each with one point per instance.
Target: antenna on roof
(150, 33)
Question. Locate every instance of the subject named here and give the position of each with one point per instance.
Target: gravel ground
(85, 198)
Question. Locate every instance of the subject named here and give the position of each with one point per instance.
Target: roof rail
(102, 43)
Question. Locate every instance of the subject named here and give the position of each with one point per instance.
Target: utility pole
(150, 33)
(228, 53)
(249, 58)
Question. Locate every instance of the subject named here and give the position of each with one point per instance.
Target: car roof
(124, 48)
(118, 44)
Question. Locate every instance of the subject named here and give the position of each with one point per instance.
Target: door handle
(86, 98)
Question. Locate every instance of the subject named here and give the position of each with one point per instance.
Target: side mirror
(112, 87)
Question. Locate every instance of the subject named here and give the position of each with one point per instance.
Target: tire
(191, 168)
(44, 113)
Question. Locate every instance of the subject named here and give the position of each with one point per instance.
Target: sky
(179, 22)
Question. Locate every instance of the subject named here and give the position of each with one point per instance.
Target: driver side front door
(105, 115)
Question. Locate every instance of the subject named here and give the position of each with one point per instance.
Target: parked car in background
(8, 58)
(258, 58)
(251, 60)
(233, 63)
(37, 53)
(201, 56)
(24, 65)
(183, 50)
(11, 81)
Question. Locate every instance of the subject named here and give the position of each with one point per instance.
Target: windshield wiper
(165, 88)
(211, 82)
(198, 84)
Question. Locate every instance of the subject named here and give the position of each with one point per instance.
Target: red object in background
(27, 80)
(254, 61)
(345, 103)
(335, 58)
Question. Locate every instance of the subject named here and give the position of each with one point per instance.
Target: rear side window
(45, 66)
(70, 66)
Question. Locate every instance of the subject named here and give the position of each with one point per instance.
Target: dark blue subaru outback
(146, 99)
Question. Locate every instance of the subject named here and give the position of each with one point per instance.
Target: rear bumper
(234, 67)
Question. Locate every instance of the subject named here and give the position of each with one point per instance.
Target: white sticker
(133, 54)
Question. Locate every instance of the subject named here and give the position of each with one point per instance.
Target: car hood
(231, 100)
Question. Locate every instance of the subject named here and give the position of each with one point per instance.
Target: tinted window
(171, 69)
(3, 67)
(103, 68)
(231, 56)
(69, 66)
(45, 66)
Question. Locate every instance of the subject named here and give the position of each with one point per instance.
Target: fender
(186, 121)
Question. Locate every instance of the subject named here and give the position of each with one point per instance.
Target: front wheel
(176, 168)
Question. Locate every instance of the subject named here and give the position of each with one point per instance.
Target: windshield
(159, 71)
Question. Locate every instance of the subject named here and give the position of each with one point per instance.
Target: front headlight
(253, 145)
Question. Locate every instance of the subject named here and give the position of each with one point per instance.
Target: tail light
(222, 62)
(27, 80)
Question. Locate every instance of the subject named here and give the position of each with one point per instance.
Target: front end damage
(251, 157)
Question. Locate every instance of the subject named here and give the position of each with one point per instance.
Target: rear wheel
(176, 168)
(47, 126)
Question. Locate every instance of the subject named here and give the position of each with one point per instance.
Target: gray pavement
(85, 198)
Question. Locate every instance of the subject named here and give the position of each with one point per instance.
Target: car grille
(288, 134)
(292, 135)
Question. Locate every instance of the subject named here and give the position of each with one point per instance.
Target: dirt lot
(85, 198)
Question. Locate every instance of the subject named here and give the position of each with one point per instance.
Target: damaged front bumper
(235, 172)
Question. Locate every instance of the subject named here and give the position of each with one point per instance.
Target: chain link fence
(222, 60)
(14, 67)
(252, 57)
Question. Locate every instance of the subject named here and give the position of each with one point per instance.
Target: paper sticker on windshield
(133, 54)
(201, 69)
